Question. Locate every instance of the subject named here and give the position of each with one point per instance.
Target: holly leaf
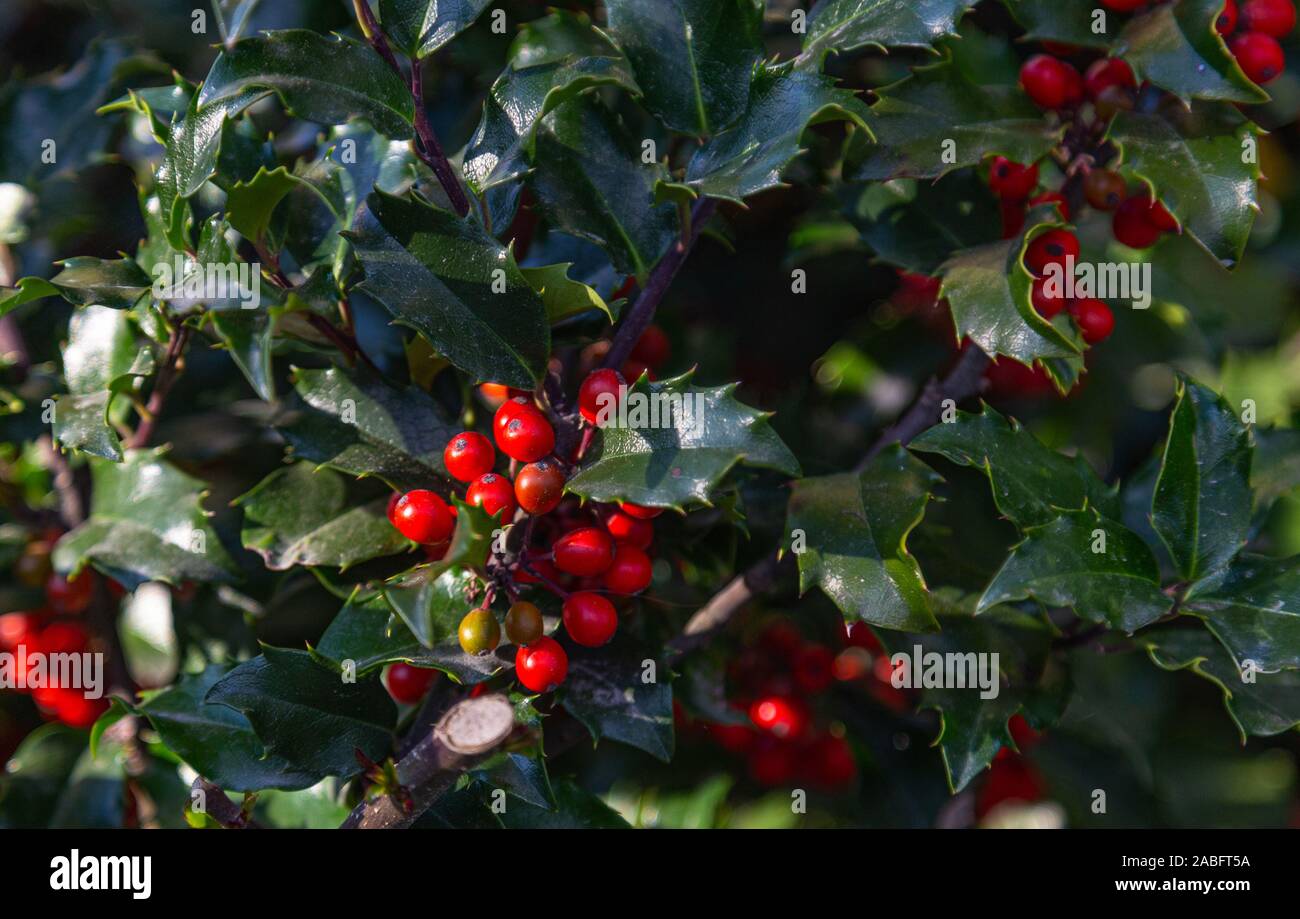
(692, 58)
(621, 692)
(421, 27)
(853, 529)
(1097, 567)
(306, 713)
(218, 741)
(1260, 704)
(1175, 46)
(562, 295)
(522, 776)
(845, 25)
(87, 281)
(938, 120)
(28, 290)
(1202, 503)
(1198, 172)
(1275, 471)
(100, 360)
(358, 423)
(454, 284)
(432, 599)
(1067, 23)
(1253, 607)
(146, 523)
(553, 60)
(249, 337)
(368, 633)
(1032, 484)
(301, 515)
(590, 182)
(784, 101)
(250, 203)
(675, 443)
(575, 808)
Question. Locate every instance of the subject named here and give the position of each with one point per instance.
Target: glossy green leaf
(845, 25)
(1198, 172)
(849, 534)
(575, 809)
(562, 295)
(368, 633)
(1253, 607)
(1275, 471)
(216, 740)
(1067, 23)
(307, 713)
(621, 692)
(457, 286)
(749, 157)
(692, 58)
(87, 281)
(301, 515)
(675, 443)
(1202, 502)
(1031, 483)
(358, 423)
(249, 337)
(421, 27)
(590, 182)
(36, 773)
(28, 290)
(146, 523)
(1099, 568)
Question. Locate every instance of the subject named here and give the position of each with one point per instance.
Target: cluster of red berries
(581, 553)
(1012, 779)
(52, 630)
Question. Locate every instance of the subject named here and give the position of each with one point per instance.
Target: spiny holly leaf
(1031, 483)
(250, 203)
(1202, 502)
(1175, 46)
(552, 60)
(368, 633)
(988, 290)
(692, 58)
(218, 741)
(421, 27)
(522, 776)
(562, 295)
(917, 226)
(1261, 704)
(307, 713)
(28, 289)
(1275, 471)
(844, 25)
(853, 532)
(1067, 23)
(249, 336)
(358, 423)
(975, 692)
(621, 692)
(783, 101)
(1198, 172)
(1253, 607)
(115, 283)
(575, 808)
(675, 443)
(146, 523)
(1099, 568)
(301, 515)
(938, 120)
(100, 360)
(432, 599)
(590, 182)
(457, 286)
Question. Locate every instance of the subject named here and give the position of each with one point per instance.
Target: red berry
(1260, 56)
(734, 738)
(493, 493)
(70, 596)
(16, 629)
(407, 684)
(1008, 780)
(1094, 318)
(628, 530)
(468, 455)
(510, 409)
(859, 635)
(1051, 248)
(630, 571)
(1045, 305)
(915, 291)
(783, 718)
(772, 762)
(634, 369)
(1132, 224)
(526, 436)
(1051, 83)
(586, 552)
(638, 511)
(602, 389)
(1159, 215)
(73, 708)
(539, 487)
(1123, 6)
(1226, 23)
(1012, 180)
(1052, 197)
(541, 666)
(1272, 17)
(812, 668)
(421, 516)
(830, 761)
(653, 347)
(1013, 217)
(1105, 73)
(589, 619)
(1104, 189)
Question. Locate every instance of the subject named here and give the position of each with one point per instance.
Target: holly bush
(654, 412)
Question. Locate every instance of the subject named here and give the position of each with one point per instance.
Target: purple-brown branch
(176, 343)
